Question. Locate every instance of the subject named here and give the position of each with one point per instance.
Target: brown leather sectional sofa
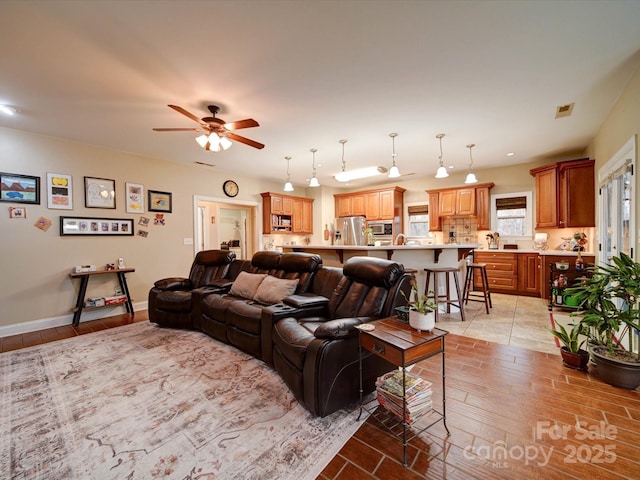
(308, 335)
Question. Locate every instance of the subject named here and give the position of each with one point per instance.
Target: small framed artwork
(99, 192)
(159, 201)
(17, 188)
(17, 212)
(95, 227)
(59, 191)
(135, 198)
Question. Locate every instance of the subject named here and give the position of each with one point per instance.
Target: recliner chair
(315, 351)
(171, 299)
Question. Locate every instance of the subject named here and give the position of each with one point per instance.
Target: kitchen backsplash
(460, 229)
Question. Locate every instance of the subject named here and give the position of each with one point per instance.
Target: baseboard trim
(62, 320)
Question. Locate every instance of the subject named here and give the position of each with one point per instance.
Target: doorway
(224, 223)
(616, 204)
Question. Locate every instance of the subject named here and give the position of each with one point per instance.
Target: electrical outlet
(188, 241)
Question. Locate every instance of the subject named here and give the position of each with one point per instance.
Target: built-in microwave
(381, 228)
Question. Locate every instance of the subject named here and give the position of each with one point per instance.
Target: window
(511, 214)
(418, 220)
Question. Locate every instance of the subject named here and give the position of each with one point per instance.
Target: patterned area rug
(141, 402)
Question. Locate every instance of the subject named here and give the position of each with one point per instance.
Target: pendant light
(288, 187)
(394, 171)
(442, 171)
(343, 176)
(314, 180)
(471, 177)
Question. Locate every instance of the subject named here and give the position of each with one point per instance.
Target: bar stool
(468, 286)
(447, 296)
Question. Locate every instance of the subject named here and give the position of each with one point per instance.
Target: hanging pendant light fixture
(471, 177)
(288, 187)
(442, 171)
(394, 171)
(343, 176)
(314, 180)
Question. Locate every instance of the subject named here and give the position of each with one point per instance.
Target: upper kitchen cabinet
(286, 214)
(378, 204)
(565, 194)
(460, 201)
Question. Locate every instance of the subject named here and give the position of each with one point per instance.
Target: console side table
(84, 281)
(402, 345)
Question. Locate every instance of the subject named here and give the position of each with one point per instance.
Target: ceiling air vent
(205, 164)
(564, 110)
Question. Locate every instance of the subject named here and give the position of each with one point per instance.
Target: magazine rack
(403, 346)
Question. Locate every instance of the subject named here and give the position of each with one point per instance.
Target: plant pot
(615, 371)
(422, 321)
(577, 361)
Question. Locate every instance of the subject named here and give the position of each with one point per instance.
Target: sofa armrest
(306, 300)
(340, 328)
(174, 283)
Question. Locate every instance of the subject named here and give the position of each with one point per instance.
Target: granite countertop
(384, 247)
(568, 253)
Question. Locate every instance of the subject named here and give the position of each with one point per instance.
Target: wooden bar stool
(468, 286)
(447, 296)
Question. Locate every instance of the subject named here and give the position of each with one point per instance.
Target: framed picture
(95, 227)
(99, 192)
(159, 201)
(134, 198)
(17, 212)
(17, 188)
(59, 191)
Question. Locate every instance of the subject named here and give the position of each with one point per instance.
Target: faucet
(397, 240)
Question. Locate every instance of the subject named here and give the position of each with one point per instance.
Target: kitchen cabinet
(565, 194)
(377, 204)
(502, 270)
(460, 201)
(286, 214)
(529, 273)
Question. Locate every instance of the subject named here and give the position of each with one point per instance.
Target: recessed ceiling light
(510, 154)
(7, 109)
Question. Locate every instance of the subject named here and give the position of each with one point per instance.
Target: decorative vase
(617, 372)
(577, 361)
(422, 321)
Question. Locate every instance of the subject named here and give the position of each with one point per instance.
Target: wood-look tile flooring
(513, 413)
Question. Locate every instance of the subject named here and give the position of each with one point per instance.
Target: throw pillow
(246, 284)
(273, 290)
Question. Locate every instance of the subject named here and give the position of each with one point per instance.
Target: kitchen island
(416, 257)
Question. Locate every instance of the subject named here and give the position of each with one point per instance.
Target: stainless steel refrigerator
(350, 230)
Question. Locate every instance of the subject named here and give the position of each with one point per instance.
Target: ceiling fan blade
(177, 129)
(185, 113)
(247, 123)
(245, 140)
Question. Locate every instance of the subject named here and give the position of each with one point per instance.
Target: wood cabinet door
(358, 205)
(373, 206)
(529, 273)
(276, 205)
(546, 198)
(577, 203)
(483, 208)
(387, 205)
(434, 213)
(287, 206)
(343, 206)
(297, 216)
(307, 216)
(447, 203)
(465, 201)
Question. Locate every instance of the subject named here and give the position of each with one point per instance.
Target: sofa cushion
(174, 301)
(274, 290)
(246, 284)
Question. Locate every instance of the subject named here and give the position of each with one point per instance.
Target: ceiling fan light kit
(218, 134)
(471, 177)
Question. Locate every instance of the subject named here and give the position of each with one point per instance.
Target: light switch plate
(188, 241)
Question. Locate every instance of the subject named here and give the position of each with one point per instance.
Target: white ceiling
(314, 72)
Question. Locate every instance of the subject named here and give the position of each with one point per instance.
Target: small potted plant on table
(609, 303)
(573, 356)
(421, 310)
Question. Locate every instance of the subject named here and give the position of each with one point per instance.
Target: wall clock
(230, 188)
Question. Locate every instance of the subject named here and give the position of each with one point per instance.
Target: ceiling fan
(217, 132)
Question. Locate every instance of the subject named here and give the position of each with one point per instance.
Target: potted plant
(609, 303)
(421, 310)
(573, 356)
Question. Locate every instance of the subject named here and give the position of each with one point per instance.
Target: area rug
(142, 402)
